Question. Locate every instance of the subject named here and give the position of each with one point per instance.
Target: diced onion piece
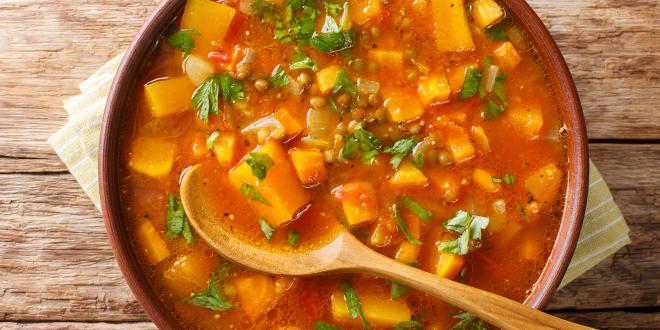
(316, 143)
(268, 122)
(366, 86)
(319, 123)
(491, 76)
(245, 7)
(197, 69)
(294, 86)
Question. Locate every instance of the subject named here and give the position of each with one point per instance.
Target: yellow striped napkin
(603, 233)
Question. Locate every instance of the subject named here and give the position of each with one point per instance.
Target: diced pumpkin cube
(169, 96)
(484, 180)
(407, 252)
(408, 176)
(292, 124)
(224, 148)
(507, 56)
(211, 19)
(326, 77)
(386, 59)
(257, 295)
(449, 265)
(544, 183)
(527, 120)
(151, 156)
(151, 243)
(402, 107)
(364, 10)
(452, 31)
(309, 165)
(379, 310)
(479, 136)
(381, 235)
(281, 189)
(189, 273)
(486, 12)
(459, 145)
(434, 88)
(358, 202)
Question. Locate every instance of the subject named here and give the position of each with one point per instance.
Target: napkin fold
(603, 233)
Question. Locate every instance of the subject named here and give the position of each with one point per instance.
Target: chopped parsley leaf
(469, 322)
(496, 32)
(261, 7)
(509, 179)
(397, 290)
(251, 191)
(419, 161)
(318, 325)
(492, 110)
(343, 83)
(213, 298)
(468, 226)
(522, 211)
(408, 325)
(293, 237)
(400, 149)
(211, 139)
(470, 83)
(333, 9)
(416, 208)
(361, 141)
(183, 40)
(404, 227)
(260, 163)
(206, 98)
(278, 78)
(176, 220)
(353, 303)
(301, 61)
(266, 229)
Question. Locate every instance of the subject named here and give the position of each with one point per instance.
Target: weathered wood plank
(611, 47)
(56, 264)
(612, 320)
(76, 326)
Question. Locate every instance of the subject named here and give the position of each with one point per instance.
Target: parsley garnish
(397, 290)
(332, 9)
(363, 141)
(492, 109)
(332, 39)
(176, 220)
(400, 149)
(206, 97)
(261, 7)
(183, 41)
(419, 161)
(266, 229)
(353, 303)
(301, 61)
(404, 227)
(496, 32)
(211, 139)
(293, 237)
(470, 83)
(212, 298)
(469, 322)
(343, 83)
(260, 163)
(522, 211)
(278, 78)
(468, 226)
(508, 178)
(251, 191)
(416, 208)
(318, 325)
(408, 325)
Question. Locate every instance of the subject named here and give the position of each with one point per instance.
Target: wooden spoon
(346, 254)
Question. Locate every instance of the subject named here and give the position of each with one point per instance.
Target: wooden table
(56, 266)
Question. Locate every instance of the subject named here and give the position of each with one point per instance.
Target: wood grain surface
(56, 266)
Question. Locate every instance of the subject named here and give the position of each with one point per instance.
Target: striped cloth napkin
(604, 231)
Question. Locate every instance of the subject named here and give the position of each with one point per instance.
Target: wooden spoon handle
(497, 310)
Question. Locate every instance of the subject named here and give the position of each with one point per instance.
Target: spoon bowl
(346, 254)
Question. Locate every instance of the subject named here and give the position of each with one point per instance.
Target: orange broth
(523, 142)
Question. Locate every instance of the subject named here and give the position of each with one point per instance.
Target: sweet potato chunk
(527, 120)
(281, 189)
(434, 88)
(379, 310)
(152, 244)
(358, 202)
(189, 273)
(326, 78)
(544, 183)
(169, 96)
(402, 107)
(408, 176)
(449, 265)
(151, 156)
(309, 165)
(507, 56)
(364, 10)
(452, 31)
(407, 252)
(486, 12)
(387, 59)
(224, 148)
(256, 293)
(292, 125)
(459, 144)
(211, 19)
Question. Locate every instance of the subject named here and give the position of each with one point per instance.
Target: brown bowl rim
(144, 43)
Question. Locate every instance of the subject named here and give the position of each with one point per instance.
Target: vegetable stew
(425, 127)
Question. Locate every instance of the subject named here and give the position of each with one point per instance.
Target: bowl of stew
(445, 134)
